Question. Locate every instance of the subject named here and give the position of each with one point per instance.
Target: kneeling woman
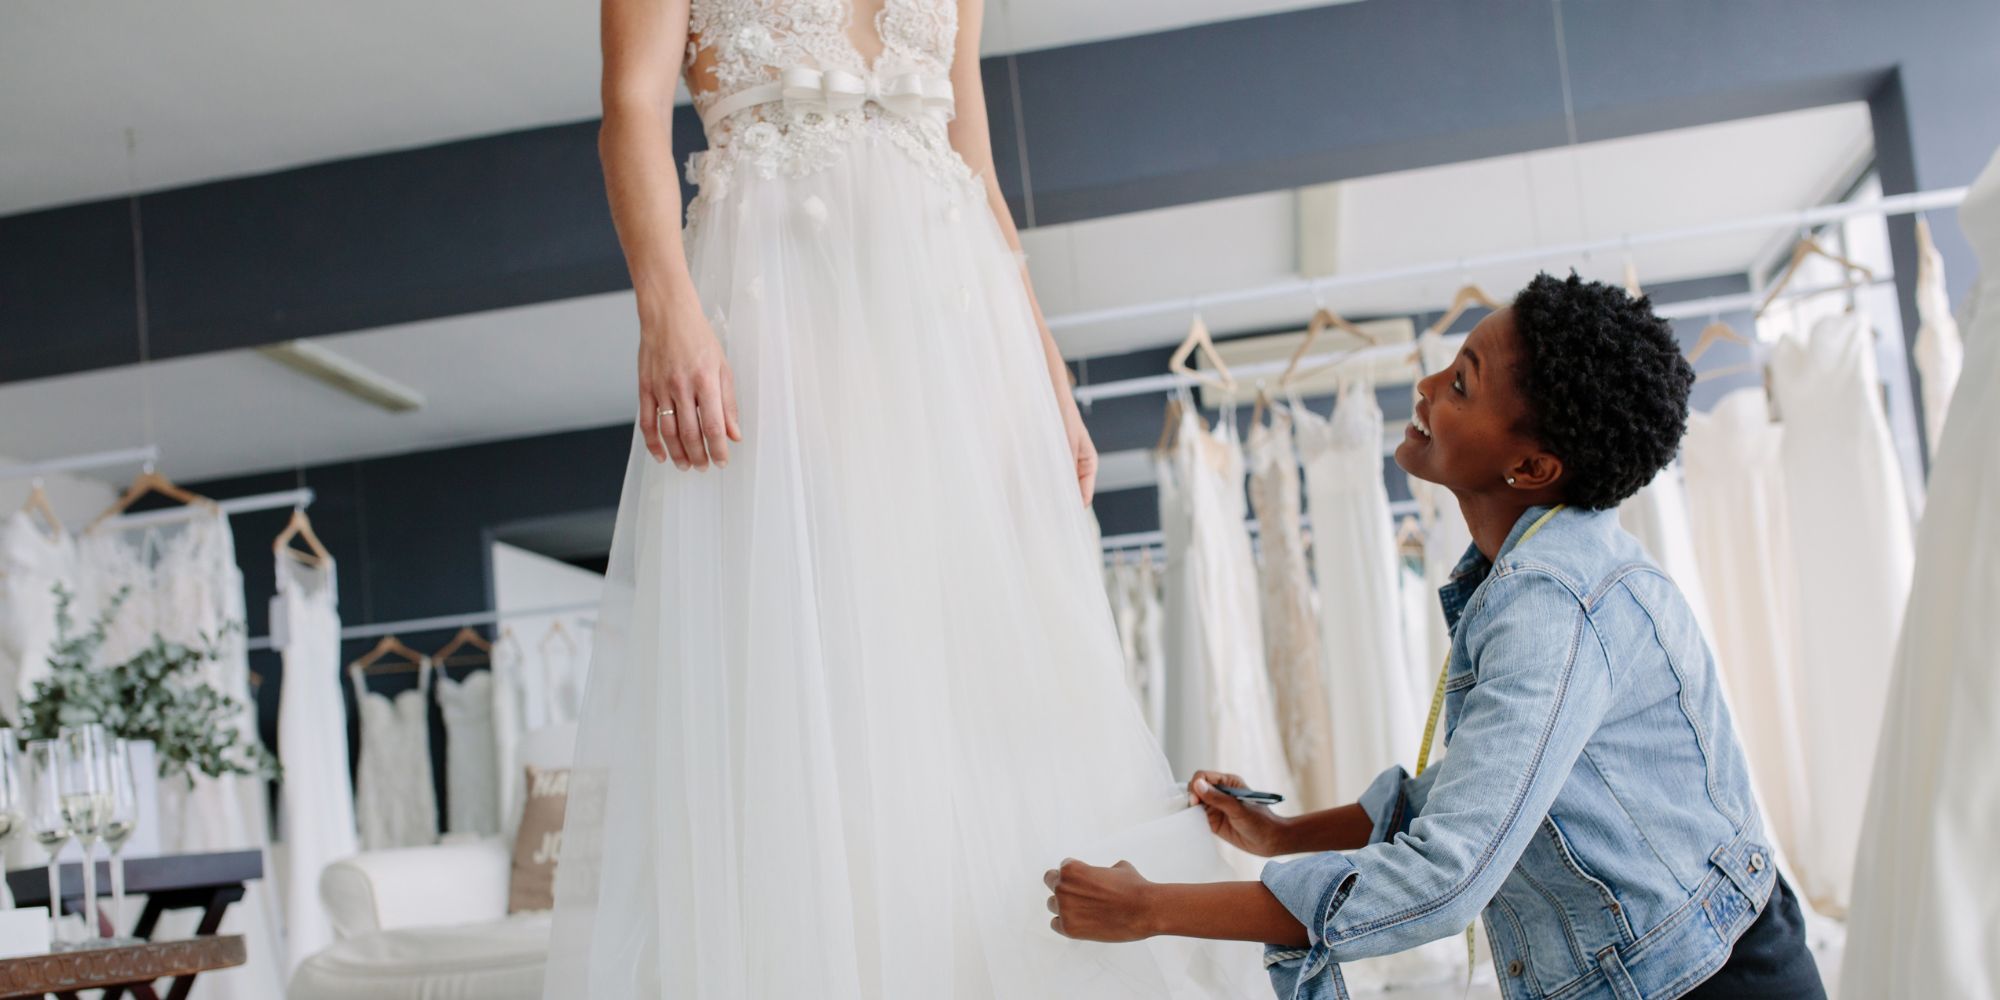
(1594, 801)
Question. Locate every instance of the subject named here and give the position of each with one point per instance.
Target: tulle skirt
(854, 693)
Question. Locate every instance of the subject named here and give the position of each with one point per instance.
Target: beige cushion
(533, 882)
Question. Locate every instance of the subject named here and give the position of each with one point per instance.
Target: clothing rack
(1150, 384)
(1132, 541)
(145, 455)
(1313, 289)
(440, 622)
(235, 505)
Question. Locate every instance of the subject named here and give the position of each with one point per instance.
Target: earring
(1510, 480)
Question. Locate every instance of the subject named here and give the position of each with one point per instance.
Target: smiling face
(1467, 434)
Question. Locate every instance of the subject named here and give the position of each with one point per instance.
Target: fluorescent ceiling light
(348, 376)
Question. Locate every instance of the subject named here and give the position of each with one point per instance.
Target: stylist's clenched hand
(1099, 904)
(1253, 828)
(687, 394)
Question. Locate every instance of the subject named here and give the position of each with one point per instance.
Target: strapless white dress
(853, 694)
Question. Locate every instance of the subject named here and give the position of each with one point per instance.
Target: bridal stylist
(1594, 800)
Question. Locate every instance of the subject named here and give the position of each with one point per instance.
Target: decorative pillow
(533, 882)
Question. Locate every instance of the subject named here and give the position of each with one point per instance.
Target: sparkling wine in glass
(10, 801)
(81, 752)
(45, 820)
(121, 822)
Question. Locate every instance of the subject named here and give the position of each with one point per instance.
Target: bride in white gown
(856, 684)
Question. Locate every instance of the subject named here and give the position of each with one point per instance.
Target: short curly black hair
(1605, 384)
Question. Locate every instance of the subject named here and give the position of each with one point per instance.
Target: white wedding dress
(853, 694)
(1926, 888)
(33, 563)
(395, 803)
(471, 753)
(316, 797)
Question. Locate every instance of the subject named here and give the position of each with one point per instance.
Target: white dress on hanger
(1291, 620)
(1120, 585)
(562, 663)
(1241, 721)
(395, 802)
(471, 759)
(1854, 554)
(316, 797)
(518, 709)
(1152, 634)
(1739, 517)
(1940, 354)
(1926, 887)
(853, 694)
(32, 564)
(184, 586)
(1375, 723)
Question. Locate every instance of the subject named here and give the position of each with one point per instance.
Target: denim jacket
(1593, 800)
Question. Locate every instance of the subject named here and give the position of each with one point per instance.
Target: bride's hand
(1084, 452)
(1098, 904)
(1251, 827)
(682, 369)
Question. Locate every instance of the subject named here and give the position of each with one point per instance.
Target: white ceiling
(567, 365)
(225, 88)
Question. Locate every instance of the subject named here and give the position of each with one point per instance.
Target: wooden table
(135, 967)
(210, 883)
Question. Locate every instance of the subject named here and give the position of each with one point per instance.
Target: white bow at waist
(833, 90)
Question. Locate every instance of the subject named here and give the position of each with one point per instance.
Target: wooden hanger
(300, 526)
(1804, 248)
(1717, 330)
(38, 503)
(1322, 319)
(1263, 403)
(557, 631)
(376, 661)
(1632, 280)
(149, 482)
(1465, 298)
(1410, 537)
(467, 636)
(1198, 339)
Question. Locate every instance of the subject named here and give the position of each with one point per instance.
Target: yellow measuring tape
(1437, 708)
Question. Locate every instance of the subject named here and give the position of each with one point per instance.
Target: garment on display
(520, 706)
(181, 584)
(879, 646)
(34, 561)
(316, 797)
(1657, 515)
(1356, 562)
(471, 757)
(1291, 612)
(1926, 891)
(395, 803)
(1853, 554)
(1224, 706)
(1134, 589)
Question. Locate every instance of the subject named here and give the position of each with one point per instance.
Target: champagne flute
(47, 823)
(86, 803)
(10, 802)
(123, 820)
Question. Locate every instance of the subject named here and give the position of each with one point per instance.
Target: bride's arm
(681, 365)
(970, 137)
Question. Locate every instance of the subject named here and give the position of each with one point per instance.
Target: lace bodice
(781, 84)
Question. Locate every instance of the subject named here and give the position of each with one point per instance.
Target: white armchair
(431, 923)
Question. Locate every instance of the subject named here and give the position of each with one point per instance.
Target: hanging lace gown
(1926, 888)
(394, 801)
(1375, 721)
(515, 714)
(1375, 724)
(1121, 584)
(316, 797)
(1291, 624)
(471, 760)
(1851, 521)
(1226, 696)
(183, 585)
(852, 695)
(33, 563)
(1152, 641)
(562, 663)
